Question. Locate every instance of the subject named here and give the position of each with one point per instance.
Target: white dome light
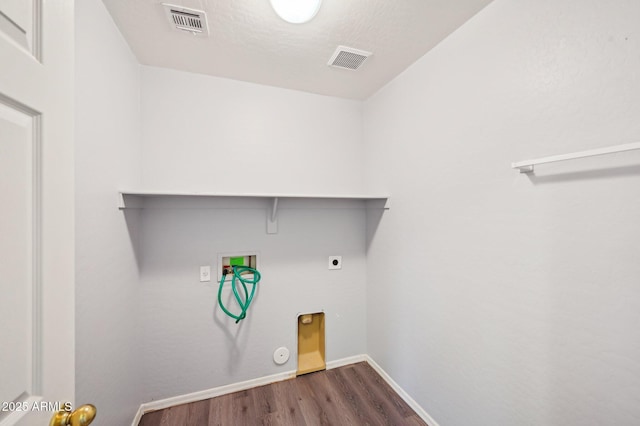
(296, 11)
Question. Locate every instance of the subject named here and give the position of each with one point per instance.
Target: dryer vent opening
(311, 354)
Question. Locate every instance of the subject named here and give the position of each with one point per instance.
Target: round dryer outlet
(281, 355)
(335, 262)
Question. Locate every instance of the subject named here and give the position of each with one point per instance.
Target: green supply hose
(248, 297)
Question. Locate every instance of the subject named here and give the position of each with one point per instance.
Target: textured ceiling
(249, 42)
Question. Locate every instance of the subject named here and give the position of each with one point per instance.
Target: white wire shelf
(527, 166)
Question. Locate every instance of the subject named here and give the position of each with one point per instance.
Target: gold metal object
(83, 416)
(61, 418)
(311, 353)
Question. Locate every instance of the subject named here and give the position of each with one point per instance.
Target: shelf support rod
(272, 218)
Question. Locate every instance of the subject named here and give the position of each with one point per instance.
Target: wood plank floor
(351, 395)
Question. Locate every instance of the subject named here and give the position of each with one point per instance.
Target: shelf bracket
(272, 218)
(525, 169)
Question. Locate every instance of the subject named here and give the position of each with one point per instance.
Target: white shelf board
(125, 195)
(528, 165)
(135, 199)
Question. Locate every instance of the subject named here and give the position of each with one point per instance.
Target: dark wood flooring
(351, 395)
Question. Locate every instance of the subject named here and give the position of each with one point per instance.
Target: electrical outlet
(335, 262)
(205, 274)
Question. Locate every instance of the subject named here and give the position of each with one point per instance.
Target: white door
(36, 209)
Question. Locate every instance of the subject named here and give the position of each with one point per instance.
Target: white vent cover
(348, 58)
(185, 19)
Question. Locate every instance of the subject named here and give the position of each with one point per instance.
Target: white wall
(517, 300)
(107, 134)
(213, 134)
(231, 136)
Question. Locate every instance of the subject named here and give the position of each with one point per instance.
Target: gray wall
(512, 299)
(107, 134)
(203, 133)
(234, 136)
(190, 344)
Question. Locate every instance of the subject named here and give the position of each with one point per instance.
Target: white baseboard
(211, 393)
(403, 394)
(138, 417)
(346, 361)
(261, 381)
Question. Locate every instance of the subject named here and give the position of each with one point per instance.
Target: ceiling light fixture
(296, 11)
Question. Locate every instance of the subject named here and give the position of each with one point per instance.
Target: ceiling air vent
(185, 19)
(348, 57)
